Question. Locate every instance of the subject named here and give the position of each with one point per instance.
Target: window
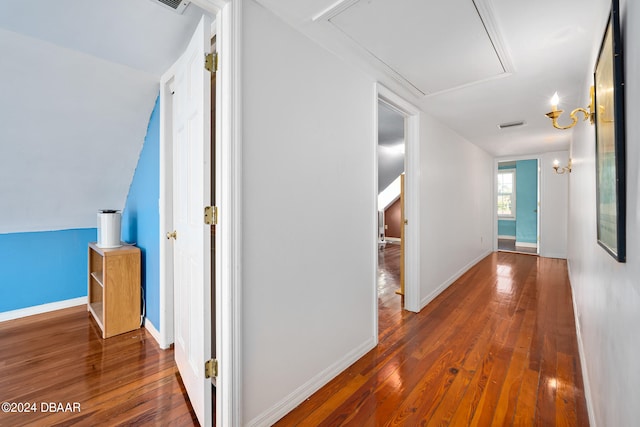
(507, 193)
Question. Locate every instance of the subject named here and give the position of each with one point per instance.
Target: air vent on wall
(510, 125)
(175, 5)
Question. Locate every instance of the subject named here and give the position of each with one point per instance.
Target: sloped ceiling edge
(73, 128)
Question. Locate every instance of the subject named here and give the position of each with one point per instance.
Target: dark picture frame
(610, 140)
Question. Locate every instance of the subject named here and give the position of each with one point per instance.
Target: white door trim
(229, 170)
(166, 210)
(228, 241)
(412, 191)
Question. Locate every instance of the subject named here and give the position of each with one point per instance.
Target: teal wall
(141, 215)
(525, 226)
(43, 267)
(506, 227)
(526, 201)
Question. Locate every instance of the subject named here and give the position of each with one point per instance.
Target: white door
(192, 247)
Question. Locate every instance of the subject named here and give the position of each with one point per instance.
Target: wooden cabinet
(114, 288)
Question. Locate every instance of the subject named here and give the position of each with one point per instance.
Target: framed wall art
(610, 140)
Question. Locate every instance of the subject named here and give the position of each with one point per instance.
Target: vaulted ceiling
(391, 147)
(80, 80)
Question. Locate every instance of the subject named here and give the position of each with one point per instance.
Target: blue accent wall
(506, 227)
(43, 267)
(527, 201)
(141, 215)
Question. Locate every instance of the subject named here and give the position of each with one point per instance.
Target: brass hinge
(211, 62)
(211, 368)
(211, 215)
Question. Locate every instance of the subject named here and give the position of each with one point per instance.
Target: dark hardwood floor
(59, 358)
(498, 347)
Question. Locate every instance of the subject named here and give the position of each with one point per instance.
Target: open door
(192, 237)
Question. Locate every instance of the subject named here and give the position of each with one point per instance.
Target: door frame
(498, 160)
(411, 114)
(227, 15)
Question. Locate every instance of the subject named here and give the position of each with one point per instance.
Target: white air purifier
(108, 229)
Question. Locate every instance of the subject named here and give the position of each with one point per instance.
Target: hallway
(497, 347)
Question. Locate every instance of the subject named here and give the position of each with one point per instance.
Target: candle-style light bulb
(556, 163)
(554, 101)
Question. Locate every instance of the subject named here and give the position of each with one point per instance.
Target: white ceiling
(81, 77)
(472, 64)
(413, 25)
(390, 145)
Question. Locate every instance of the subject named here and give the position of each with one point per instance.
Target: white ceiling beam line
(487, 16)
(333, 10)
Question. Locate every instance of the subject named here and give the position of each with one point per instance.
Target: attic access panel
(433, 45)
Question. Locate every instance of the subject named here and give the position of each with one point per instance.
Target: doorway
(401, 142)
(517, 206)
(219, 328)
(391, 169)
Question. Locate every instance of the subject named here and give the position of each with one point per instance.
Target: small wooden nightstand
(114, 288)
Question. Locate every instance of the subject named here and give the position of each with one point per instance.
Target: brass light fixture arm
(561, 170)
(554, 115)
(588, 114)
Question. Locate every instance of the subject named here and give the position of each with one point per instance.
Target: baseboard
(583, 360)
(427, 299)
(507, 237)
(43, 308)
(552, 255)
(526, 244)
(290, 402)
(153, 332)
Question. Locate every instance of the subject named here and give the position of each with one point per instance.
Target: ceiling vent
(510, 125)
(176, 5)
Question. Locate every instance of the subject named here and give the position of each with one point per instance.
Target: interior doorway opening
(404, 142)
(391, 169)
(518, 206)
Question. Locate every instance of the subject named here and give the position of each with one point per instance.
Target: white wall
(308, 147)
(607, 293)
(456, 212)
(308, 175)
(554, 205)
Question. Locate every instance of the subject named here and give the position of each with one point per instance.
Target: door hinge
(211, 215)
(211, 62)
(211, 368)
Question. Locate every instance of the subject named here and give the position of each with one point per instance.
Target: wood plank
(484, 352)
(60, 357)
(497, 347)
(433, 360)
